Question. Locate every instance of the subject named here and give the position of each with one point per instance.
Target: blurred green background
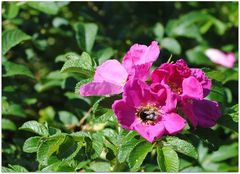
(33, 87)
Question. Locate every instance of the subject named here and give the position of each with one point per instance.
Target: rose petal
(192, 88)
(173, 123)
(201, 112)
(140, 54)
(124, 113)
(203, 79)
(111, 71)
(140, 71)
(99, 89)
(219, 57)
(137, 93)
(150, 132)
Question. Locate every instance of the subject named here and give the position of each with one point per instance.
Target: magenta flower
(177, 77)
(201, 112)
(219, 57)
(148, 112)
(190, 86)
(139, 59)
(111, 76)
(203, 79)
(109, 79)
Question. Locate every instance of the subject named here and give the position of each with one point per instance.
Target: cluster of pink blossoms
(149, 100)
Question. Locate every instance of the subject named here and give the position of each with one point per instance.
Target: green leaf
(31, 144)
(41, 87)
(158, 31)
(68, 118)
(104, 54)
(108, 116)
(8, 125)
(50, 8)
(217, 92)
(160, 159)
(11, 10)
(48, 147)
(176, 28)
(13, 69)
(196, 56)
(126, 147)
(181, 146)
(216, 75)
(233, 112)
(35, 127)
(171, 45)
(100, 167)
(85, 35)
(167, 159)
(97, 143)
(138, 154)
(221, 155)
(79, 136)
(11, 38)
(16, 168)
(69, 148)
(79, 84)
(81, 64)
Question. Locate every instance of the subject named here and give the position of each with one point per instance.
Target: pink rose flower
(111, 76)
(177, 77)
(190, 86)
(147, 110)
(218, 57)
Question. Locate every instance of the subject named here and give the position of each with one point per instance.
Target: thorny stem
(85, 117)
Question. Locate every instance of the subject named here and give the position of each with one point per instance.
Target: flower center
(175, 88)
(148, 114)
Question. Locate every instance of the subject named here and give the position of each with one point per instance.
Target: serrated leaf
(79, 84)
(48, 147)
(69, 149)
(100, 167)
(107, 116)
(160, 159)
(35, 127)
(79, 136)
(171, 45)
(50, 8)
(85, 35)
(234, 113)
(138, 154)
(97, 143)
(167, 159)
(126, 147)
(17, 168)
(31, 144)
(8, 125)
(11, 38)
(13, 69)
(181, 146)
(81, 64)
(217, 92)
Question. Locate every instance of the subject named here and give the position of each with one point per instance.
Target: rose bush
(80, 95)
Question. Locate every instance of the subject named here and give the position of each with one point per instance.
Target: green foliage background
(72, 133)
